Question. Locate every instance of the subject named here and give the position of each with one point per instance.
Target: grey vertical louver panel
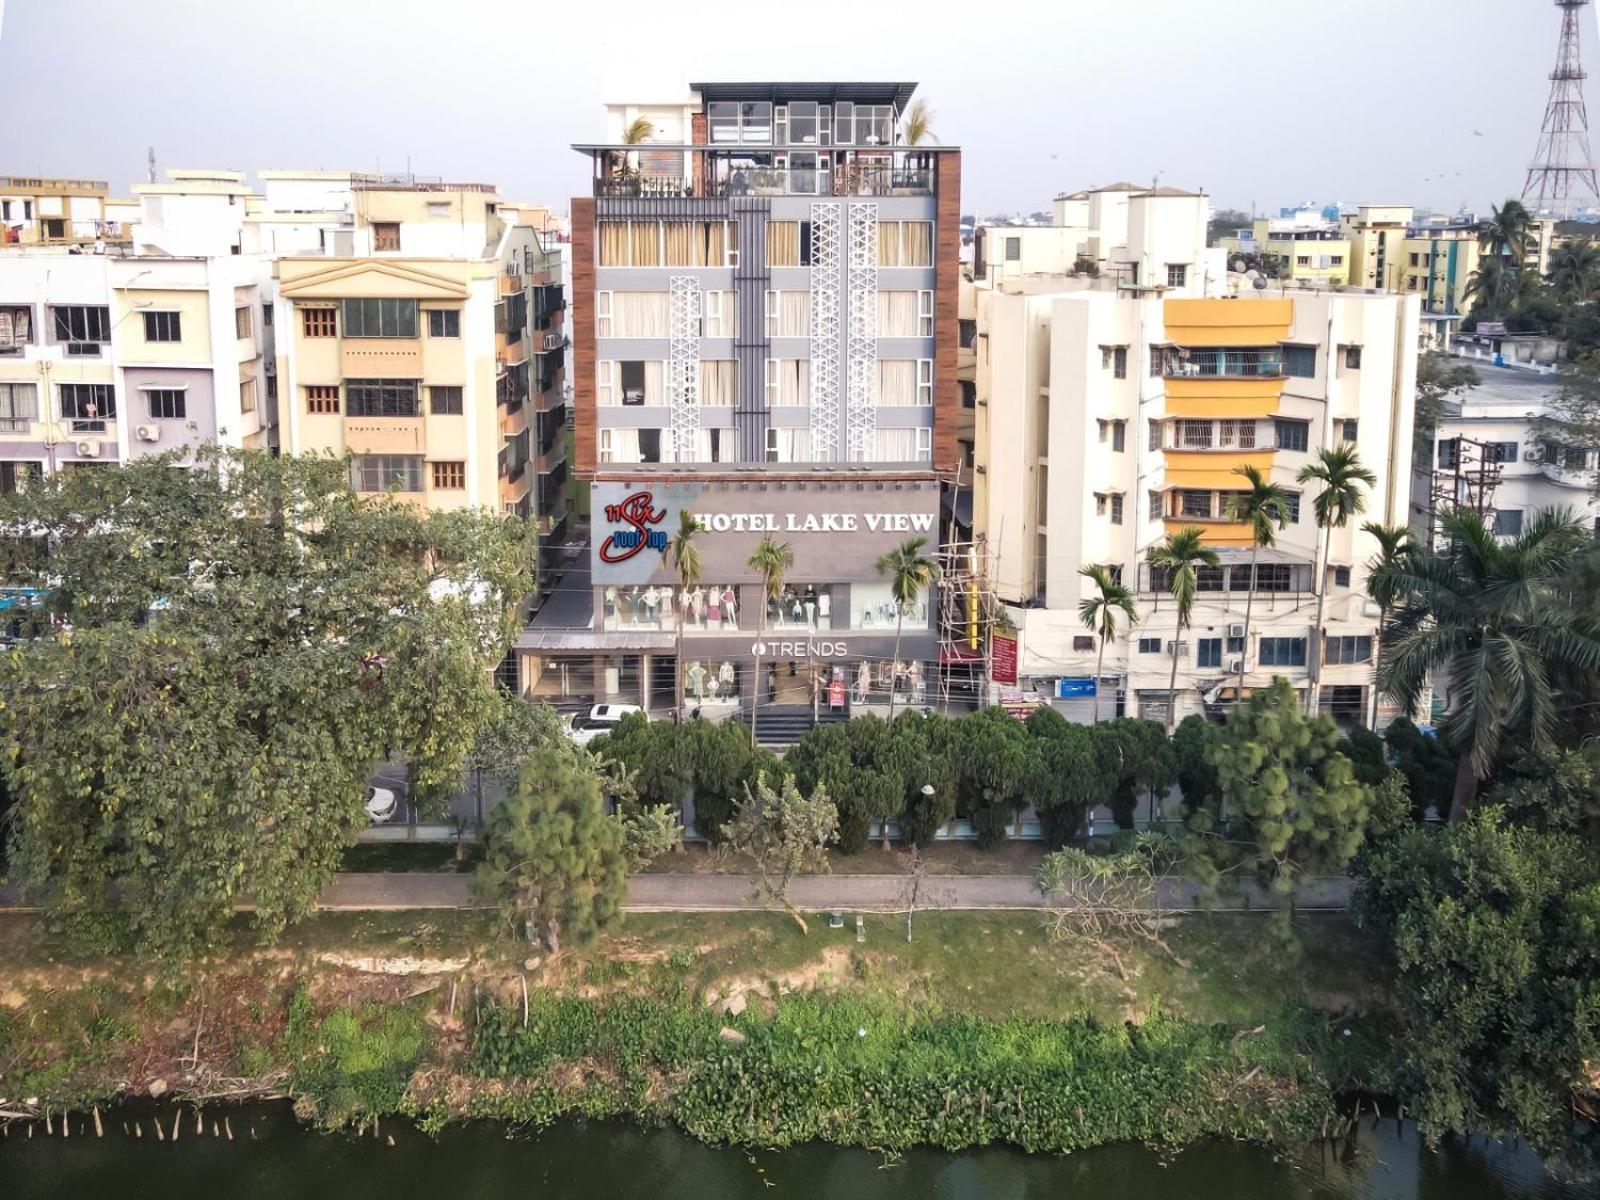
(751, 278)
(661, 208)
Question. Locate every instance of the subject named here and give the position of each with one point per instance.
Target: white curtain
(722, 315)
(639, 314)
(793, 316)
(624, 445)
(897, 382)
(897, 314)
(895, 445)
(715, 445)
(719, 382)
(793, 445)
(794, 381)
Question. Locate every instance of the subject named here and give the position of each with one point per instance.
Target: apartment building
(1309, 248)
(1136, 237)
(1393, 251)
(1107, 420)
(764, 336)
(60, 212)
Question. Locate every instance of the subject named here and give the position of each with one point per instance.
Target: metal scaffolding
(969, 612)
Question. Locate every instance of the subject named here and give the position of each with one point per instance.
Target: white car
(602, 718)
(380, 804)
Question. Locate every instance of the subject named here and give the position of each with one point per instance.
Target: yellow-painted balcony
(1213, 470)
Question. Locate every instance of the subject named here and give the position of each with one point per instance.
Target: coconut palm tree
(1488, 287)
(911, 573)
(1099, 611)
(771, 561)
(684, 556)
(1264, 506)
(1505, 233)
(1396, 548)
(1492, 618)
(1180, 557)
(919, 123)
(639, 131)
(1574, 267)
(1338, 469)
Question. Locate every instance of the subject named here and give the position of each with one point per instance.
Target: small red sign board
(1003, 658)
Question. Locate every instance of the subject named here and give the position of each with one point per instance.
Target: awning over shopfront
(535, 640)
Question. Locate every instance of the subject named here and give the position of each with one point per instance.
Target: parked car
(602, 718)
(381, 803)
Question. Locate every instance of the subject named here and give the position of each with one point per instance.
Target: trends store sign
(837, 531)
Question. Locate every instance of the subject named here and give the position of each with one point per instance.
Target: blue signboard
(1074, 689)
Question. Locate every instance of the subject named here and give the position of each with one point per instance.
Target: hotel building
(764, 335)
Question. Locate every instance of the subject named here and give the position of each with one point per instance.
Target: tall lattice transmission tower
(1563, 172)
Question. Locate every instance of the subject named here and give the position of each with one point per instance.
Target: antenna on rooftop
(150, 162)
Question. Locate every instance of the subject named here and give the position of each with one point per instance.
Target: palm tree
(910, 573)
(685, 558)
(919, 124)
(1396, 549)
(1506, 231)
(1099, 611)
(1264, 505)
(1341, 475)
(770, 560)
(1180, 556)
(1492, 616)
(1574, 267)
(1488, 286)
(639, 131)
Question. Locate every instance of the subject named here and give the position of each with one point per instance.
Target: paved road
(725, 893)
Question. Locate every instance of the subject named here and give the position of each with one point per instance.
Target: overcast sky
(1430, 102)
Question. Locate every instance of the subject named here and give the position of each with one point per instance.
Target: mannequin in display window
(863, 683)
(914, 679)
(716, 609)
(725, 678)
(824, 608)
(810, 603)
(730, 607)
(697, 680)
(697, 601)
(611, 604)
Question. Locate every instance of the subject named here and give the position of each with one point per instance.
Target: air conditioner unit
(1236, 631)
(1532, 456)
(1235, 665)
(1177, 647)
(554, 341)
(148, 433)
(88, 449)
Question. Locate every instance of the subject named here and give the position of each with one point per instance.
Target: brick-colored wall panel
(583, 348)
(946, 311)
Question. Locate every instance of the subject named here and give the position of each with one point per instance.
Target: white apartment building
(1107, 419)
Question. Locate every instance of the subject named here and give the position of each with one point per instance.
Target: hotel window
(444, 322)
(82, 322)
(1292, 435)
(606, 445)
(380, 472)
(247, 395)
(241, 321)
(722, 121)
(449, 476)
(905, 314)
(716, 445)
(633, 314)
(789, 244)
(924, 444)
(19, 406)
(87, 405)
(166, 404)
(1177, 275)
(1300, 361)
(721, 315)
(1274, 577)
(1283, 652)
(789, 382)
(162, 327)
(788, 445)
(379, 318)
(802, 123)
(322, 400)
(719, 382)
(905, 243)
(925, 382)
(320, 322)
(693, 243)
(385, 235)
(445, 401)
(789, 313)
(380, 397)
(1346, 649)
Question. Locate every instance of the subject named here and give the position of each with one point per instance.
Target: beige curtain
(654, 382)
(793, 445)
(646, 243)
(714, 235)
(917, 244)
(794, 381)
(783, 244)
(793, 316)
(895, 445)
(725, 324)
(639, 314)
(679, 242)
(719, 385)
(897, 314)
(897, 383)
(888, 243)
(614, 244)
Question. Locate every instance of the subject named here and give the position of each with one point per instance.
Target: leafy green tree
(1573, 421)
(911, 573)
(1491, 618)
(1178, 559)
(1103, 896)
(1499, 976)
(515, 728)
(1396, 546)
(1368, 756)
(554, 860)
(1554, 789)
(223, 656)
(1505, 234)
(1294, 805)
(1073, 776)
(1341, 476)
(1264, 506)
(648, 832)
(1428, 767)
(1134, 755)
(1574, 268)
(684, 556)
(784, 833)
(996, 765)
(924, 745)
(771, 560)
(1098, 611)
(1191, 750)
(1489, 289)
(1439, 376)
(843, 759)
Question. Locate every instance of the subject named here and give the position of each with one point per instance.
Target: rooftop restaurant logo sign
(638, 512)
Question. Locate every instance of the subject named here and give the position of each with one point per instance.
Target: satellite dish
(1259, 283)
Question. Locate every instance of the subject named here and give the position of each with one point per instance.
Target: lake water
(275, 1158)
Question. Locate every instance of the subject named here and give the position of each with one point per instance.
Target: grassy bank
(978, 1030)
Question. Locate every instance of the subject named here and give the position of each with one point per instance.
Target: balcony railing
(903, 174)
(1223, 364)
